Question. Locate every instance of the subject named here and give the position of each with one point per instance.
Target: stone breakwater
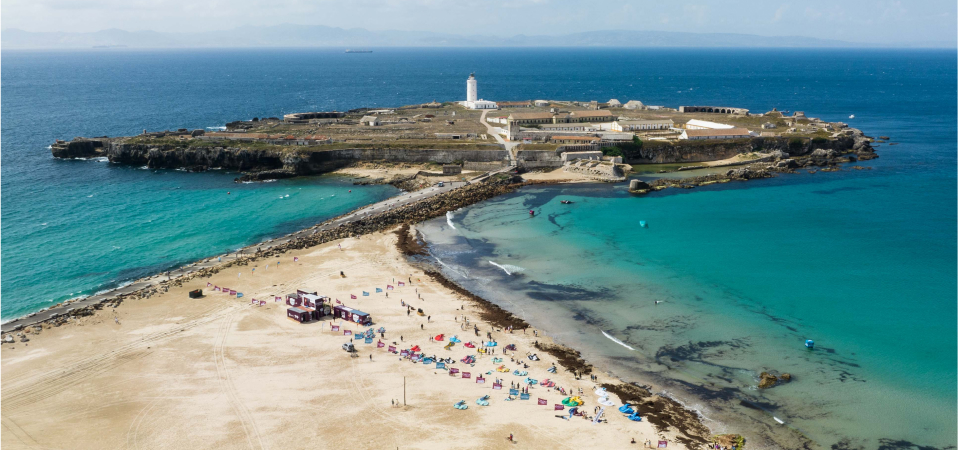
(409, 214)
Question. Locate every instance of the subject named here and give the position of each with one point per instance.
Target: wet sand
(216, 372)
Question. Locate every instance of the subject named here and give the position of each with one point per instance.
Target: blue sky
(879, 22)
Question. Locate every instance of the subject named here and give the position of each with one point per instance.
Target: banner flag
(378, 290)
(352, 297)
(543, 401)
(365, 294)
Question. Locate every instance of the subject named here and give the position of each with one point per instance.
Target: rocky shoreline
(776, 162)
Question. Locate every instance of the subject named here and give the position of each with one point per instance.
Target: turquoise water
(92, 235)
(861, 261)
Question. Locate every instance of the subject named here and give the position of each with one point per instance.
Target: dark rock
(767, 380)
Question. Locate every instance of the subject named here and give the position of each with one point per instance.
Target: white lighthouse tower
(471, 90)
(472, 96)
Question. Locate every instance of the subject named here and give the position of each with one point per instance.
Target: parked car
(441, 184)
(349, 348)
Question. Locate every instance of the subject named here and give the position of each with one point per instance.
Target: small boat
(643, 224)
(359, 51)
(810, 344)
(566, 202)
(851, 116)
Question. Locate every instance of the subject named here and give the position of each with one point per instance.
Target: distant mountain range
(323, 36)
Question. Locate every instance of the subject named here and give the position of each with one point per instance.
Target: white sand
(218, 373)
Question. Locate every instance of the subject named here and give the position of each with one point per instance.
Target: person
(370, 356)
(510, 437)
(421, 327)
(400, 338)
(633, 440)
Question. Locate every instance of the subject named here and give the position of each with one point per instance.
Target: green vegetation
(795, 143)
(629, 150)
(611, 151)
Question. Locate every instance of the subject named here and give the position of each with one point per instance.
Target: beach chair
(449, 345)
(461, 404)
(511, 347)
(635, 417)
(502, 369)
(469, 345)
(440, 337)
(626, 409)
(551, 369)
(454, 339)
(483, 401)
(496, 360)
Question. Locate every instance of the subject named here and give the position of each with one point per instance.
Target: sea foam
(509, 269)
(613, 339)
(449, 216)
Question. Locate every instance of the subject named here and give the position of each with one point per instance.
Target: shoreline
(662, 411)
(665, 413)
(139, 286)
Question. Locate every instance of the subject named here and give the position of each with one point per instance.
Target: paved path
(376, 208)
(508, 145)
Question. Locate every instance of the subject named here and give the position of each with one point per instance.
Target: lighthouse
(471, 90)
(472, 96)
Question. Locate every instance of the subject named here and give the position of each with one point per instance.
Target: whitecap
(449, 216)
(509, 269)
(617, 341)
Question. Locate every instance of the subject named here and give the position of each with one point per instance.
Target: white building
(472, 96)
(641, 124)
(696, 124)
(702, 134)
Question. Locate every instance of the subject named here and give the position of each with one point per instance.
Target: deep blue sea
(863, 262)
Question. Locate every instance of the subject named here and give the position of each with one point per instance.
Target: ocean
(863, 262)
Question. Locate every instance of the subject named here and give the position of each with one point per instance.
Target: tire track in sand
(253, 436)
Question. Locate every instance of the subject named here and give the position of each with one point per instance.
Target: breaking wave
(617, 341)
(449, 217)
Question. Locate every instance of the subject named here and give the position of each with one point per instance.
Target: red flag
(559, 407)
(401, 284)
(389, 287)
(295, 258)
(278, 298)
(208, 284)
(338, 302)
(352, 297)
(543, 401)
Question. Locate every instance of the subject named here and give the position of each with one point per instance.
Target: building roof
(591, 113)
(707, 124)
(369, 119)
(297, 310)
(521, 102)
(575, 138)
(530, 115)
(722, 132)
(641, 121)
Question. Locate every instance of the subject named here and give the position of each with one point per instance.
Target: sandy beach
(215, 372)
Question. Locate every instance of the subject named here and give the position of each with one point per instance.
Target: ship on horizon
(358, 51)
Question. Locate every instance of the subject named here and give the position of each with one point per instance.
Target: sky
(873, 22)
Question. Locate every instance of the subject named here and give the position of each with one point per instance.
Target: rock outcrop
(767, 380)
